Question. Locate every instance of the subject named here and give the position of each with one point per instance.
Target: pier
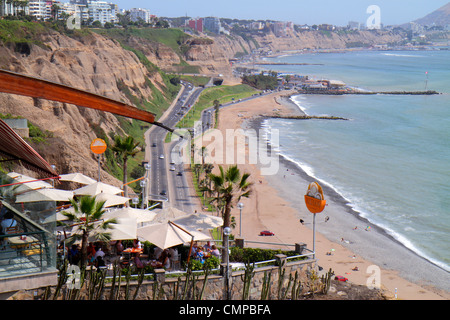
(354, 92)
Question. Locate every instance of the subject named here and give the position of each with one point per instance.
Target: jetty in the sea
(342, 92)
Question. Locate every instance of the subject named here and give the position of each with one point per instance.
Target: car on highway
(153, 144)
(163, 192)
(172, 168)
(266, 233)
(161, 156)
(179, 173)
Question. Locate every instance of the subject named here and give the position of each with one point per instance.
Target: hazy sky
(337, 12)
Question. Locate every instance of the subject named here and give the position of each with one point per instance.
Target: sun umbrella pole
(190, 249)
(192, 240)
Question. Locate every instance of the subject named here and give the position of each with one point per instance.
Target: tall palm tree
(230, 186)
(124, 148)
(88, 215)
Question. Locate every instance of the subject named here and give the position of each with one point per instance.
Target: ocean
(391, 161)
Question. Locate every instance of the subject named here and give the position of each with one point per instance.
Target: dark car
(163, 192)
(179, 173)
(266, 233)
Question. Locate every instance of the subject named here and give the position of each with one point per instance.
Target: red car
(266, 233)
(341, 278)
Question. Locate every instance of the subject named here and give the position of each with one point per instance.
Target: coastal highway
(167, 180)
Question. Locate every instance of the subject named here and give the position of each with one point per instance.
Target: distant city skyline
(298, 11)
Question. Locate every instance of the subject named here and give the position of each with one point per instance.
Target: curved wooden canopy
(15, 83)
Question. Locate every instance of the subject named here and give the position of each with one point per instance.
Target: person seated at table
(91, 253)
(99, 253)
(207, 247)
(194, 249)
(119, 247)
(74, 254)
(200, 254)
(137, 244)
(163, 261)
(214, 251)
(138, 262)
(8, 222)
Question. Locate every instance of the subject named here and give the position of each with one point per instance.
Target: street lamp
(226, 233)
(147, 167)
(135, 201)
(240, 206)
(143, 184)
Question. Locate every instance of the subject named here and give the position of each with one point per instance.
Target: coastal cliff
(92, 63)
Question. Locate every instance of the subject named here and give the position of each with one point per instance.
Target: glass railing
(28, 245)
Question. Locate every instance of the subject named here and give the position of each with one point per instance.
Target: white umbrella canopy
(166, 234)
(44, 195)
(111, 199)
(199, 221)
(169, 213)
(30, 185)
(140, 215)
(124, 229)
(77, 177)
(96, 188)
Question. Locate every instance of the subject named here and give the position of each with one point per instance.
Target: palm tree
(230, 186)
(124, 148)
(88, 215)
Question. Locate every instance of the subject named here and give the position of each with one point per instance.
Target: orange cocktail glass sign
(314, 198)
(98, 146)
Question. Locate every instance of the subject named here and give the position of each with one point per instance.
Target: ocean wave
(403, 55)
(298, 102)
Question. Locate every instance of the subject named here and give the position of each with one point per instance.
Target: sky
(310, 12)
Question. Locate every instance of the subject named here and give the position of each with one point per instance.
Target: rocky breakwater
(89, 62)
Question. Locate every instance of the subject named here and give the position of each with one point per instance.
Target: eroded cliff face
(94, 64)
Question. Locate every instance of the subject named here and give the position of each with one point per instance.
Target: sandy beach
(277, 205)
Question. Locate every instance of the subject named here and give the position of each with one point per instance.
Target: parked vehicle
(341, 278)
(266, 233)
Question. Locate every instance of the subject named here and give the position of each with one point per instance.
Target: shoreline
(360, 247)
(338, 198)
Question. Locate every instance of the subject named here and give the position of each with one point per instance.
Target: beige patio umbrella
(199, 221)
(168, 234)
(140, 215)
(29, 185)
(111, 200)
(77, 177)
(169, 213)
(97, 188)
(124, 229)
(44, 195)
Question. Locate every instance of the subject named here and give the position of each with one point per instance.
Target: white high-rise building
(136, 13)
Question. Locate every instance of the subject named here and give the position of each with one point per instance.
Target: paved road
(167, 180)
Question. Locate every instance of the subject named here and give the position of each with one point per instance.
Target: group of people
(162, 259)
(206, 251)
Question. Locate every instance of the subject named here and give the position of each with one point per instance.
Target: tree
(123, 149)
(229, 186)
(88, 215)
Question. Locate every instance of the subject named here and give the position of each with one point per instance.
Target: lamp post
(143, 184)
(226, 233)
(240, 206)
(147, 167)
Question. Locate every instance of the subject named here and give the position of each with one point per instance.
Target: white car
(161, 156)
(172, 168)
